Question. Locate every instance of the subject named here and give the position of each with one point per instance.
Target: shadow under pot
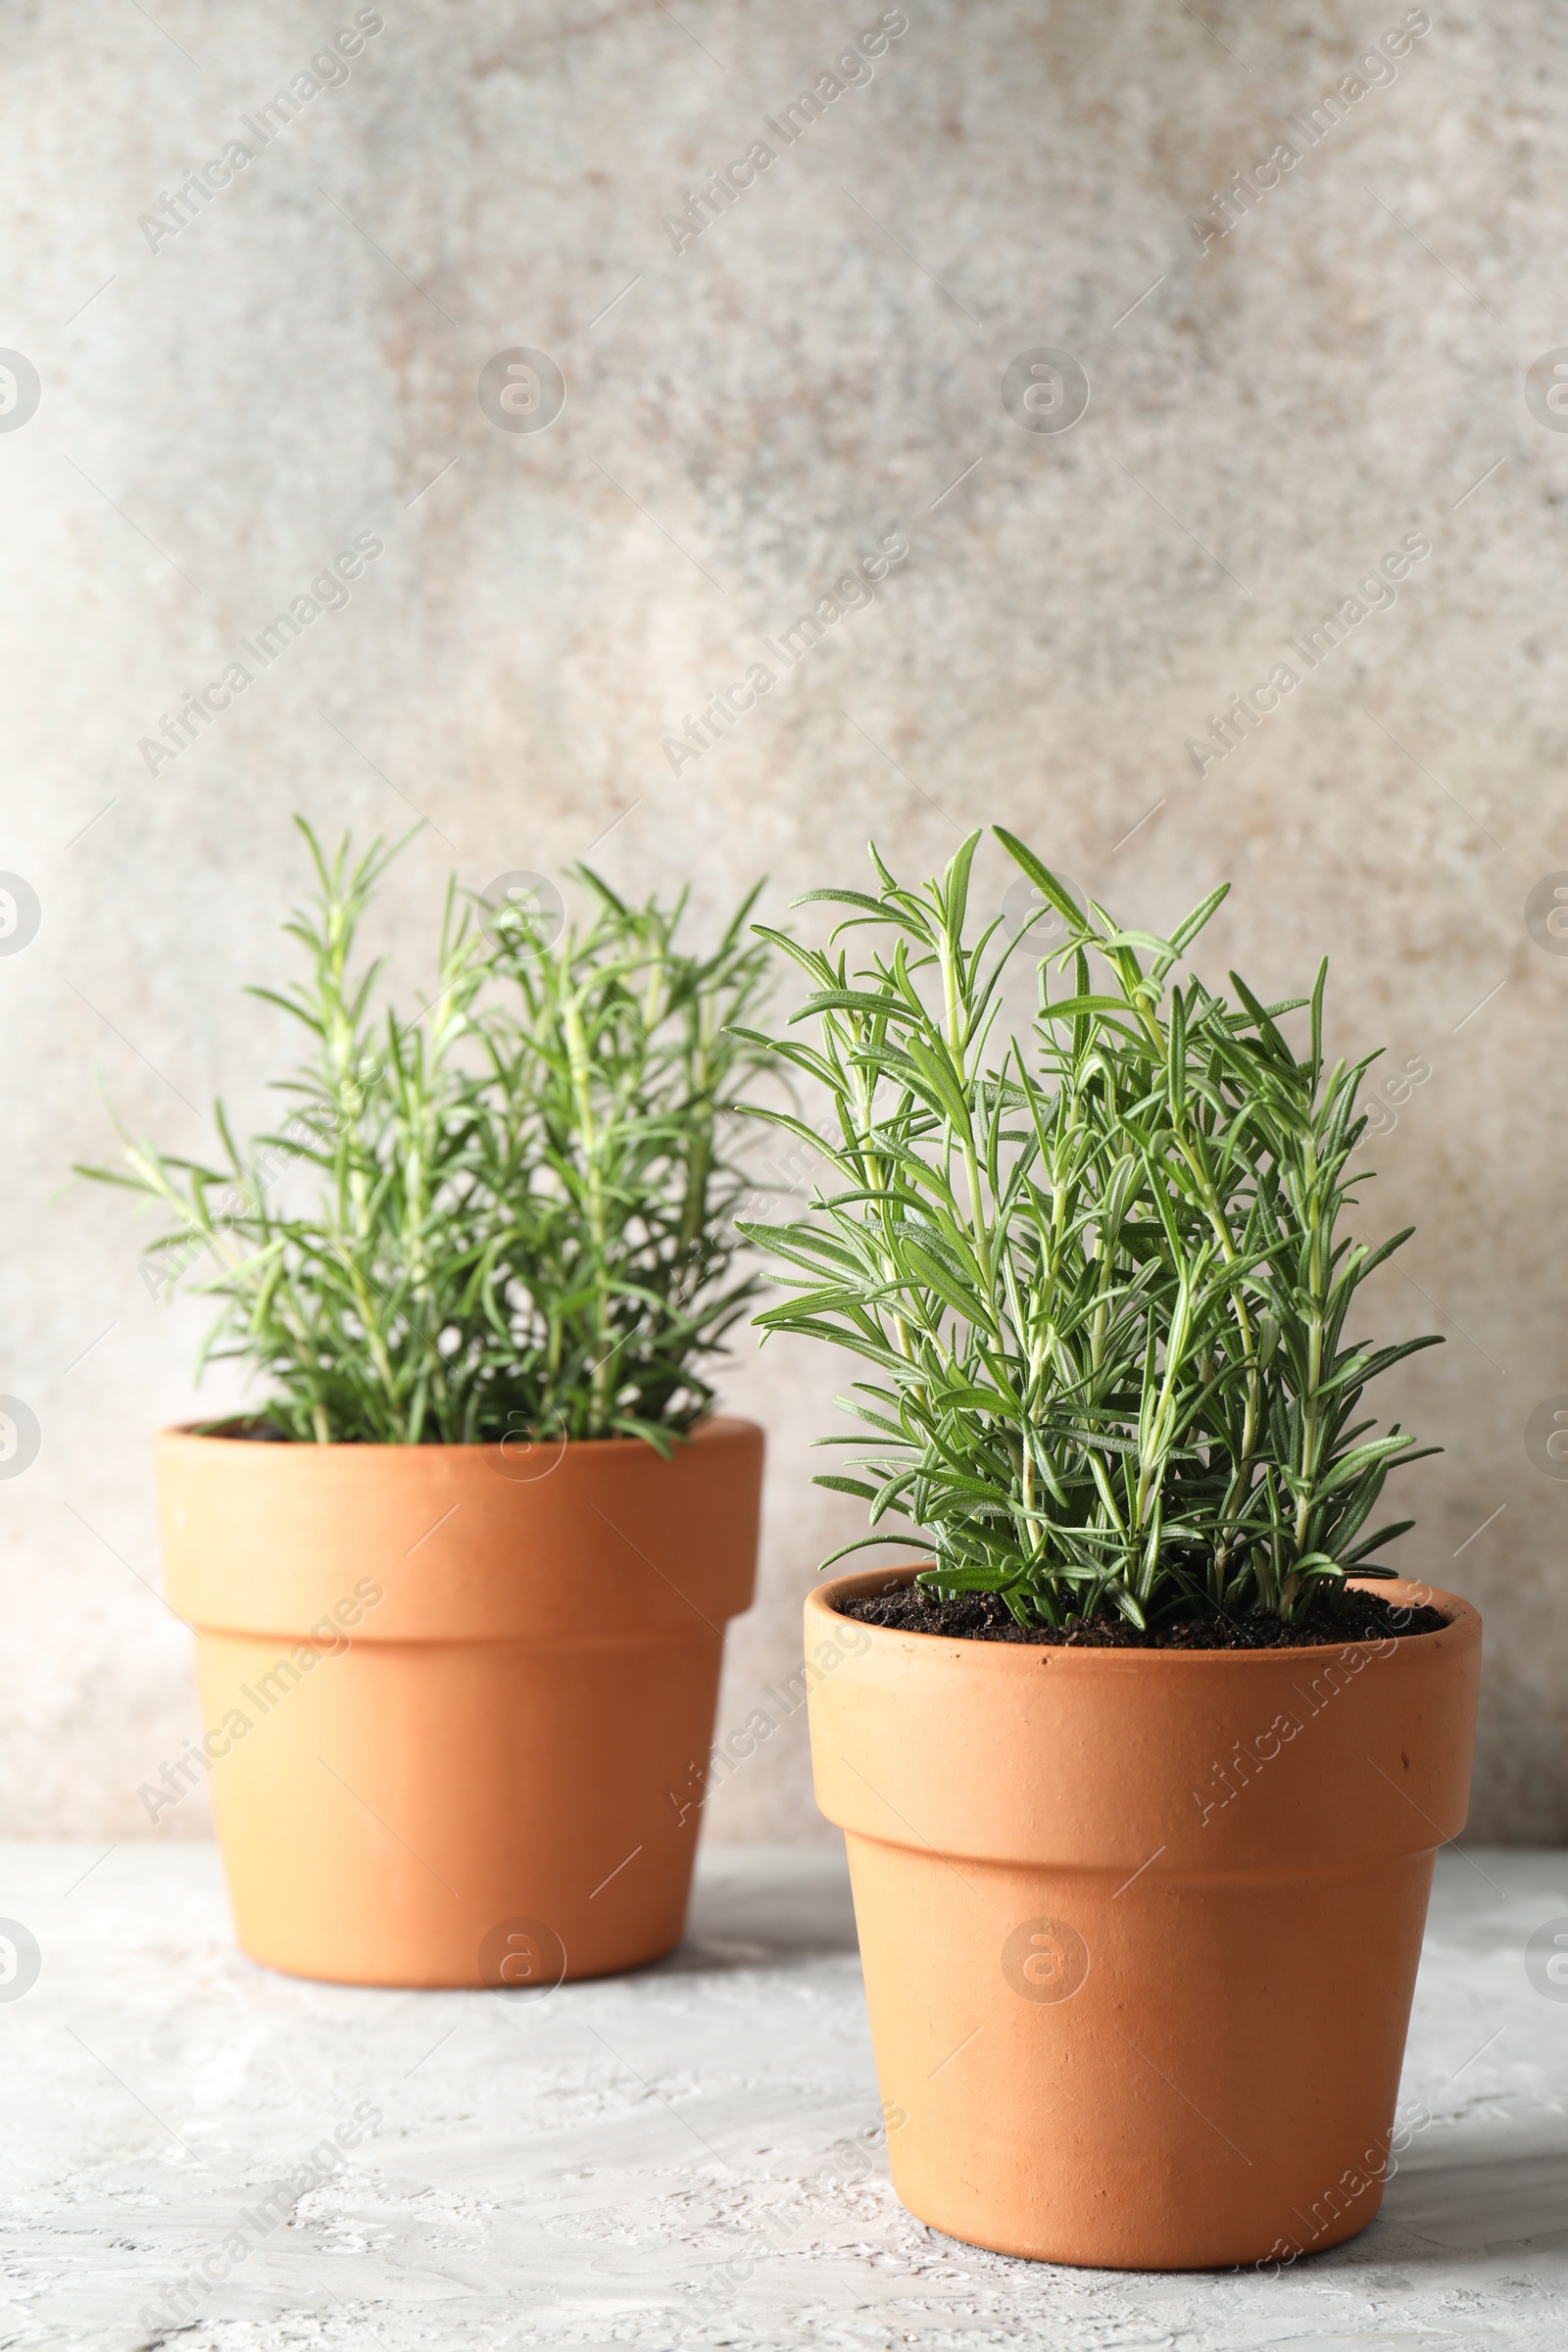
(1140, 1928)
(446, 1690)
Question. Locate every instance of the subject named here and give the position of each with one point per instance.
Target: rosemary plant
(1099, 1275)
(510, 1216)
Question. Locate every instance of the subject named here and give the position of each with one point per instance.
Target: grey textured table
(690, 2156)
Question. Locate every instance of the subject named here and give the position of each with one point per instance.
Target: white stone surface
(583, 2169)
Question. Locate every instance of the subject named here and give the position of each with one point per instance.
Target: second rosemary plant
(509, 1214)
(1096, 1277)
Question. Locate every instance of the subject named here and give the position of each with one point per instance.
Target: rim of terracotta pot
(711, 1426)
(1003, 1656)
(466, 1541)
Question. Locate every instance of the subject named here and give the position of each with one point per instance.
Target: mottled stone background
(1269, 416)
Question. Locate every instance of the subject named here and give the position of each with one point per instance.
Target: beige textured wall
(1269, 417)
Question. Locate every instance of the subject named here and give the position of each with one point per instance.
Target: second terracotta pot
(1140, 1928)
(448, 1692)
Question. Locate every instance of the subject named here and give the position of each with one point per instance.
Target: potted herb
(460, 1579)
(1141, 1774)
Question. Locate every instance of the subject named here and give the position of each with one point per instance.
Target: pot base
(1053, 2110)
(431, 1814)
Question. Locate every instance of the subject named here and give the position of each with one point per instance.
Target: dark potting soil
(985, 1617)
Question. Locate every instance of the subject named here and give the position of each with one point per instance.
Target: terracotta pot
(447, 1690)
(1140, 1928)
